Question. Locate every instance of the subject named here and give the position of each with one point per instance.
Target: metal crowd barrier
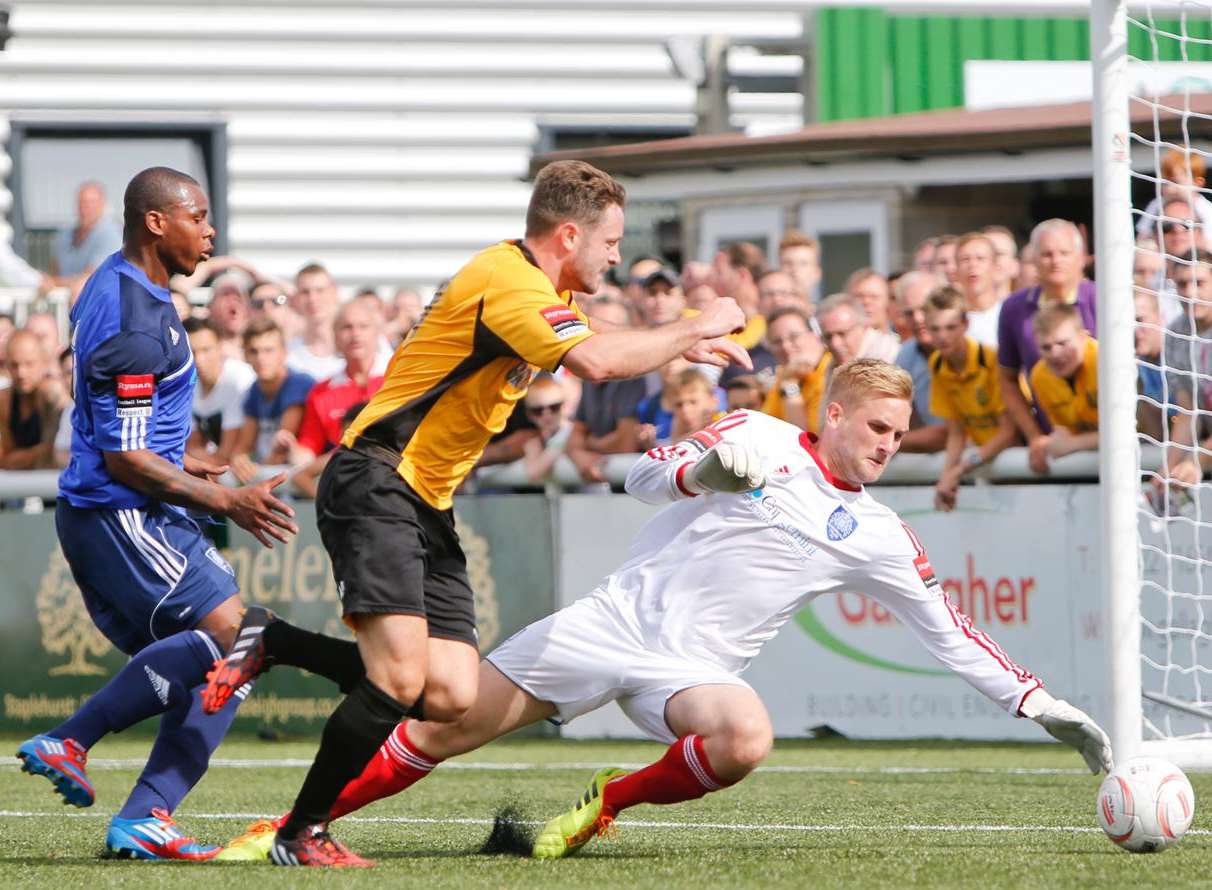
(906, 469)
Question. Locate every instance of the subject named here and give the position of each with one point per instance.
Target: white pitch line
(103, 763)
(638, 823)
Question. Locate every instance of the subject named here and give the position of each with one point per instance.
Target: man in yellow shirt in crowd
(1065, 381)
(735, 273)
(964, 391)
(803, 366)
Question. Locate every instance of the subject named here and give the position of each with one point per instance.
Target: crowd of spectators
(999, 339)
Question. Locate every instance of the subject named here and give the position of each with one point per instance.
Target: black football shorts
(391, 552)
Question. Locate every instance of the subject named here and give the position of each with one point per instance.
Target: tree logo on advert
(479, 574)
(67, 628)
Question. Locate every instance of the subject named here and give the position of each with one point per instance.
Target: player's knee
(749, 741)
(448, 704)
(403, 685)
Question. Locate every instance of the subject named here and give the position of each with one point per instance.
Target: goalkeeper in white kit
(762, 518)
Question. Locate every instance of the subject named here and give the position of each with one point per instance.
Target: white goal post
(1119, 459)
(1156, 554)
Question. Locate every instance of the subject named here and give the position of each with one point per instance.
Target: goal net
(1166, 72)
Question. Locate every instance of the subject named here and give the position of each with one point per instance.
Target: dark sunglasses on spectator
(540, 410)
(1187, 224)
(277, 300)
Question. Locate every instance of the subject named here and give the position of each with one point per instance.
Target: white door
(851, 234)
(720, 227)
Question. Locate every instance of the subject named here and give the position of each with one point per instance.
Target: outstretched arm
(904, 582)
(621, 354)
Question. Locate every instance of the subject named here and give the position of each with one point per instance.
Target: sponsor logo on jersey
(925, 571)
(519, 375)
(769, 511)
(217, 558)
(841, 524)
(134, 392)
(563, 321)
(172, 332)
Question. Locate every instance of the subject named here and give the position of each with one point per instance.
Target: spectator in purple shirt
(1060, 254)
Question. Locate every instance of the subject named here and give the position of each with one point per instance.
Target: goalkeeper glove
(1072, 726)
(726, 467)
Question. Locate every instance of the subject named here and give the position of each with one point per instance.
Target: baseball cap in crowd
(665, 274)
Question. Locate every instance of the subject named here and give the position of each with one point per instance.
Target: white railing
(907, 469)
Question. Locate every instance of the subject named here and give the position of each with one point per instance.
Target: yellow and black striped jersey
(453, 382)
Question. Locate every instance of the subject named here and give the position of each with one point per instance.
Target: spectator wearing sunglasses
(272, 301)
(545, 409)
(1183, 176)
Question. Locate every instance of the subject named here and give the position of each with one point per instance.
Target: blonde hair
(798, 239)
(1051, 316)
(690, 378)
(969, 237)
(867, 377)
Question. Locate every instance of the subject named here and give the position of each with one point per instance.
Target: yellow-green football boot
(253, 845)
(568, 832)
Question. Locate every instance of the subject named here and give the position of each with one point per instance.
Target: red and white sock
(396, 765)
(682, 774)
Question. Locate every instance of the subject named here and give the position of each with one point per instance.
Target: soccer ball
(1145, 804)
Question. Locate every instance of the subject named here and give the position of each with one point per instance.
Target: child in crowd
(965, 392)
(694, 402)
(1065, 380)
(273, 408)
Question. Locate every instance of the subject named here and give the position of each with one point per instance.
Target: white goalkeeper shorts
(583, 657)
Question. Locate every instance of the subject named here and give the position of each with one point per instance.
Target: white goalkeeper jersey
(712, 578)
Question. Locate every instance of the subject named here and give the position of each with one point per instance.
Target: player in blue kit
(151, 581)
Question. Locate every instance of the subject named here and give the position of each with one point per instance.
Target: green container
(870, 63)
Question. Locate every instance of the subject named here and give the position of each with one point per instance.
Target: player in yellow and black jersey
(454, 382)
(965, 392)
(384, 502)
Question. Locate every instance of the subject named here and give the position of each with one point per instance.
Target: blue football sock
(179, 758)
(156, 679)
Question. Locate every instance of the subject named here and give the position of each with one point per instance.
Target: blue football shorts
(145, 573)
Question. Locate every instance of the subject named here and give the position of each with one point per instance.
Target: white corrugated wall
(386, 138)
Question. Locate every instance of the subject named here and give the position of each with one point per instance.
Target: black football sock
(354, 732)
(338, 660)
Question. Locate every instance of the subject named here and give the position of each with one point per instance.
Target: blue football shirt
(134, 381)
(268, 412)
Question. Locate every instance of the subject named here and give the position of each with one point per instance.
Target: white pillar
(1119, 473)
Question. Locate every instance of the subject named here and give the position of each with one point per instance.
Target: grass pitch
(820, 814)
